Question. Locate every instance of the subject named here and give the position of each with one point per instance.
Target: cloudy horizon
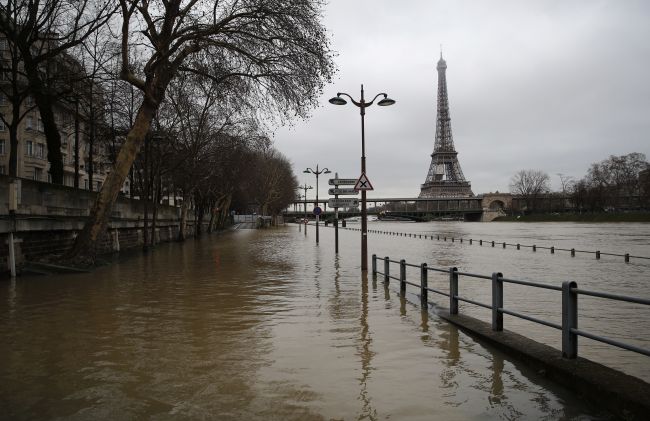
(547, 85)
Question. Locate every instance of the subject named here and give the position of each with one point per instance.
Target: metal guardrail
(534, 247)
(569, 290)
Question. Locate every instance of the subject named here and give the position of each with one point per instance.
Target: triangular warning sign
(363, 183)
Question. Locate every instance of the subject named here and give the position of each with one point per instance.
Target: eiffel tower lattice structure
(445, 178)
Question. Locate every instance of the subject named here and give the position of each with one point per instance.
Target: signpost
(342, 181)
(337, 203)
(343, 203)
(343, 191)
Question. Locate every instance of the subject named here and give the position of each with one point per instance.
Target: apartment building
(32, 150)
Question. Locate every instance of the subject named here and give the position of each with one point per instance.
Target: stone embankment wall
(48, 218)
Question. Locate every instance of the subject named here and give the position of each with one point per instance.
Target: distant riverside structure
(445, 178)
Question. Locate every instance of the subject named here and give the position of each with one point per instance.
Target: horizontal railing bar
(644, 301)
(532, 284)
(411, 283)
(474, 275)
(392, 261)
(438, 270)
(530, 318)
(394, 277)
(476, 303)
(412, 265)
(438, 292)
(611, 342)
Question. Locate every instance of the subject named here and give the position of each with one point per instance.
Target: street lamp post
(305, 187)
(362, 104)
(317, 173)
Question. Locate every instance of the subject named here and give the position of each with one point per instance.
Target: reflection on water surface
(252, 325)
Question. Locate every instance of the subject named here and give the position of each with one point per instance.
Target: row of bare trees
(197, 82)
(616, 183)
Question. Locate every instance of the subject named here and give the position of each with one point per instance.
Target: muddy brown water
(268, 325)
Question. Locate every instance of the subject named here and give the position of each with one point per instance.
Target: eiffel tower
(445, 178)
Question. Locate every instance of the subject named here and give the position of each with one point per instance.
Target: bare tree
(279, 47)
(530, 184)
(43, 31)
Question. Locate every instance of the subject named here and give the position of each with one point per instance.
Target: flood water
(268, 325)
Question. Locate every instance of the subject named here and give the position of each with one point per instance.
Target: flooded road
(259, 325)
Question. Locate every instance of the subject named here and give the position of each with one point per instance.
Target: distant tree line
(614, 184)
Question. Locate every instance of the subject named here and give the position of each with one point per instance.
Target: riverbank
(578, 217)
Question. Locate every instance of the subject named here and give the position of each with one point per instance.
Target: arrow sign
(343, 203)
(317, 211)
(363, 183)
(342, 182)
(343, 191)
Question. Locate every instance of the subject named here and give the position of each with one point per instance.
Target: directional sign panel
(343, 191)
(342, 181)
(342, 203)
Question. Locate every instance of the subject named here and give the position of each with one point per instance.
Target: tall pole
(317, 173)
(362, 104)
(364, 212)
(317, 216)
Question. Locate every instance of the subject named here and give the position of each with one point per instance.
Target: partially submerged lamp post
(317, 173)
(305, 187)
(362, 104)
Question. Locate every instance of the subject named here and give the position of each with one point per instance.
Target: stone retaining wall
(49, 217)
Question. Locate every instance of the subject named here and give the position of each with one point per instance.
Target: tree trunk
(85, 244)
(13, 142)
(183, 222)
(44, 103)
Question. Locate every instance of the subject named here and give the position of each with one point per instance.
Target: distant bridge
(479, 208)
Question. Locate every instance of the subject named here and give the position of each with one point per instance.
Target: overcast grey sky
(552, 85)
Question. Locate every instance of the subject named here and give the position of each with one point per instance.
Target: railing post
(552, 249)
(492, 243)
(518, 246)
(627, 257)
(386, 270)
(480, 242)
(453, 290)
(569, 320)
(598, 254)
(534, 247)
(497, 301)
(424, 284)
(470, 241)
(374, 265)
(504, 245)
(402, 277)
(573, 252)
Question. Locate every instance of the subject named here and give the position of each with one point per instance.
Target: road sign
(317, 210)
(342, 181)
(342, 203)
(343, 191)
(363, 183)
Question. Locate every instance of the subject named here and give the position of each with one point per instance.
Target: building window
(30, 101)
(99, 185)
(2, 169)
(3, 99)
(38, 174)
(39, 125)
(29, 148)
(86, 184)
(40, 150)
(3, 146)
(2, 125)
(4, 46)
(29, 122)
